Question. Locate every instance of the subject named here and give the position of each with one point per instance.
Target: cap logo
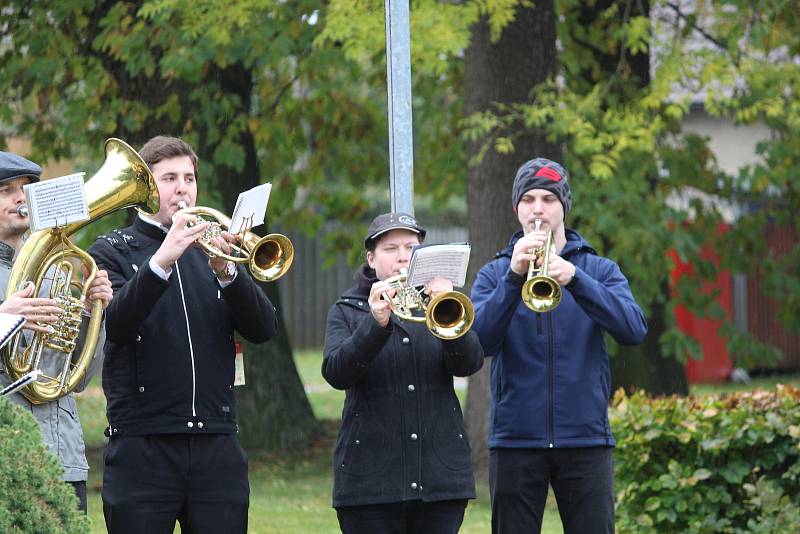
(550, 174)
(407, 220)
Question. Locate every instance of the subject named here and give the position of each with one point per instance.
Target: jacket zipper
(189, 335)
(550, 382)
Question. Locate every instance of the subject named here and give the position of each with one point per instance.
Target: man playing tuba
(58, 419)
(169, 371)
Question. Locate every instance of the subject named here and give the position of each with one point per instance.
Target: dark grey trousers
(582, 481)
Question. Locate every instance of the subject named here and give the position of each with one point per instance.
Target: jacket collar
(149, 228)
(6, 253)
(364, 278)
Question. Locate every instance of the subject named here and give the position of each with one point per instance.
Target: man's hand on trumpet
(560, 270)
(179, 238)
(523, 253)
(220, 266)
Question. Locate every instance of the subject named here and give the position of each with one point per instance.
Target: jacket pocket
(366, 448)
(450, 443)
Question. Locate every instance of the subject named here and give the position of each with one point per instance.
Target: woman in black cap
(402, 458)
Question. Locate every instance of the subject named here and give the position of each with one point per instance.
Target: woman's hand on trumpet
(437, 286)
(378, 305)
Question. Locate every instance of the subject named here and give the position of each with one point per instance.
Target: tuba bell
(268, 258)
(48, 257)
(540, 292)
(448, 315)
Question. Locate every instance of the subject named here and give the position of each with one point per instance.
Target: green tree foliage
(33, 498)
(276, 74)
(622, 128)
(707, 465)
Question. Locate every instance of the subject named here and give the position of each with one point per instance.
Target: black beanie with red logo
(542, 173)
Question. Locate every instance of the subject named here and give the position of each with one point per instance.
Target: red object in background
(716, 365)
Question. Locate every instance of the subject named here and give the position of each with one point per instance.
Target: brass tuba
(540, 292)
(448, 315)
(268, 258)
(49, 257)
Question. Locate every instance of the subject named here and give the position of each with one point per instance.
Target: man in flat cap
(402, 462)
(58, 419)
(550, 372)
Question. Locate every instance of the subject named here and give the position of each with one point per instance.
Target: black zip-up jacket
(402, 435)
(169, 365)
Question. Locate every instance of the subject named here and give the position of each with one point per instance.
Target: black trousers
(80, 492)
(409, 517)
(149, 482)
(582, 480)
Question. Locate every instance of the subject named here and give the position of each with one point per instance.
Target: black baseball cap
(13, 166)
(393, 221)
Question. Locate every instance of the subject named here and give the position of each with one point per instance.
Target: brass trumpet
(540, 292)
(448, 315)
(268, 258)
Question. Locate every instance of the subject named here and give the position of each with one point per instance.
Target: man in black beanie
(550, 373)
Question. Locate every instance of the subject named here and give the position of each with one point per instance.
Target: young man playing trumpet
(550, 372)
(402, 460)
(61, 428)
(169, 372)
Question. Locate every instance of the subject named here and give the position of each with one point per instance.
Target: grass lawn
(290, 492)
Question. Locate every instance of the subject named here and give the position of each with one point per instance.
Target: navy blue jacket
(550, 378)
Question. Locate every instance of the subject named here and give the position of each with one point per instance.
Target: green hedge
(715, 464)
(33, 499)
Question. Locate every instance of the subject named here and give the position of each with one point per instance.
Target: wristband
(227, 273)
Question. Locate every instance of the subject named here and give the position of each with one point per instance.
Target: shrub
(715, 464)
(33, 498)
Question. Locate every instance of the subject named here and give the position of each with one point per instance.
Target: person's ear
(370, 259)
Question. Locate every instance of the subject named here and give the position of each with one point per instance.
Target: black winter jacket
(169, 348)
(402, 435)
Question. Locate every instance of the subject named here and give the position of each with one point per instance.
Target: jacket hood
(575, 243)
(364, 277)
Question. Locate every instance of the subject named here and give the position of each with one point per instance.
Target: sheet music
(10, 324)
(443, 261)
(16, 385)
(56, 202)
(251, 206)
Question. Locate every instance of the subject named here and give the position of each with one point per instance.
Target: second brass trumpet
(540, 292)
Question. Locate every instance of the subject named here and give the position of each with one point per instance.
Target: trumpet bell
(541, 293)
(450, 315)
(271, 257)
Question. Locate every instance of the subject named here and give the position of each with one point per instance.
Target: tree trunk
(501, 72)
(273, 411)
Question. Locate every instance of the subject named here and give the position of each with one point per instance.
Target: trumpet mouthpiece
(22, 210)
